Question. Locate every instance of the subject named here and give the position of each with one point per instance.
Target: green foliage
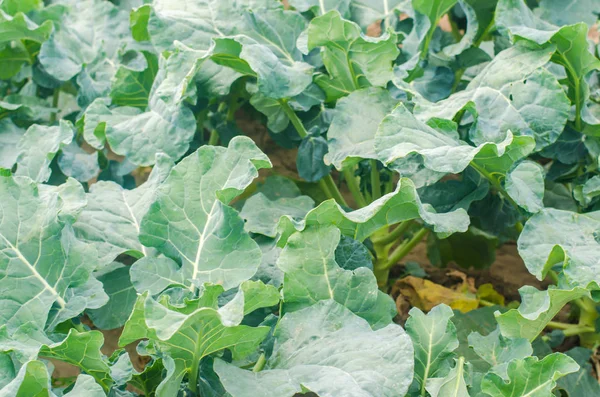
(130, 197)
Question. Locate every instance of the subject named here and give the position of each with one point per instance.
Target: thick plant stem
(375, 182)
(214, 138)
(405, 248)
(55, 98)
(394, 235)
(260, 364)
(333, 192)
(354, 188)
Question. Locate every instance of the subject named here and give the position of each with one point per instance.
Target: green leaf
(267, 50)
(262, 214)
(320, 7)
(361, 223)
(187, 334)
(20, 27)
(317, 349)
(452, 385)
(525, 185)
(76, 163)
(530, 376)
(553, 237)
(138, 135)
(309, 160)
(191, 222)
(73, 44)
(498, 351)
(32, 380)
(570, 41)
(131, 87)
(37, 148)
(536, 310)
(568, 12)
(202, 21)
(40, 253)
(121, 297)
(434, 339)
(82, 349)
(365, 12)
(14, 6)
(10, 135)
(113, 215)
(311, 274)
(352, 59)
(401, 134)
(138, 20)
(513, 92)
(351, 135)
(471, 249)
(582, 382)
(85, 386)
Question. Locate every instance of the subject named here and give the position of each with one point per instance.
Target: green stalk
(354, 188)
(214, 138)
(405, 248)
(260, 364)
(55, 98)
(333, 192)
(394, 234)
(375, 181)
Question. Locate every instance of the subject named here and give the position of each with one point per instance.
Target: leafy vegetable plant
(234, 187)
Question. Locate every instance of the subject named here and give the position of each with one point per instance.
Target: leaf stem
(375, 181)
(332, 191)
(55, 98)
(260, 364)
(394, 234)
(214, 138)
(405, 248)
(354, 188)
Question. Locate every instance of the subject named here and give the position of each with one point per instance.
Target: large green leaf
(351, 135)
(567, 12)
(139, 135)
(352, 59)
(193, 331)
(401, 134)
(10, 135)
(131, 87)
(570, 42)
(20, 27)
(434, 339)
(311, 274)
(76, 42)
(513, 92)
(498, 351)
(536, 310)
(191, 222)
(327, 350)
(40, 254)
(400, 205)
(583, 382)
(262, 214)
(82, 349)
(366, 12)
(37, 148)
(451, 385)
(562, 237)
(121, 297)
(525, 185)
(112, 217)
(32, 380)
(529, 377)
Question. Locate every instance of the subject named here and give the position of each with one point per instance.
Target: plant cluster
(132, 195)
